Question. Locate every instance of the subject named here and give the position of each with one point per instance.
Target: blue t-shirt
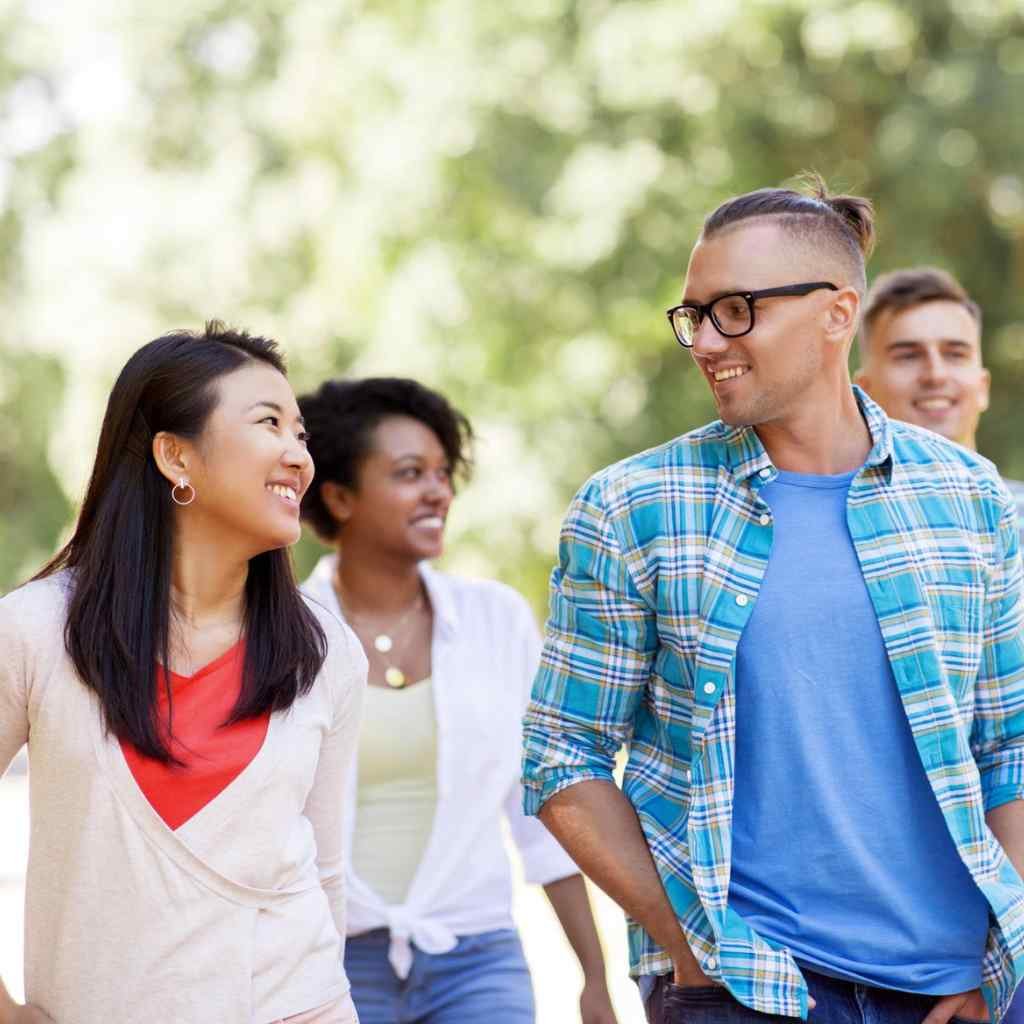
(840, 852)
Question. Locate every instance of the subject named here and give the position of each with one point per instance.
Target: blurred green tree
(33, 507)
(501, 199)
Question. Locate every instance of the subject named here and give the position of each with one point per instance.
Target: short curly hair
(341, 416)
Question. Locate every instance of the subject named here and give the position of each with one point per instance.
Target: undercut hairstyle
(903, 289)
(341, 416)
(119, 558)
(844, 224)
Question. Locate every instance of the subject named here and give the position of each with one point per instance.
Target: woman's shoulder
(39, 605)
(472, 600)
(471, 589)
(324, 614)
(32, 619)
(339, 634)
(345, 662)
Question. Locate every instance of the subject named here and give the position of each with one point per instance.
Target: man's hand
(965, 1005)
(596, 1003)
(688, 974)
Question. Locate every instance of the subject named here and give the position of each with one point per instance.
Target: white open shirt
(485, 653)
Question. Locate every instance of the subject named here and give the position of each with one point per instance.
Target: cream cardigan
(234, 917)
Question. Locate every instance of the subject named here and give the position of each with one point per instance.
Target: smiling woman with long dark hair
(189, 717)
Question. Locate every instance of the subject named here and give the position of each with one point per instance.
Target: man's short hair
(903, 289)
(844, 223)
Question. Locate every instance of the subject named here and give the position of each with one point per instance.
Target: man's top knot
(845, 224)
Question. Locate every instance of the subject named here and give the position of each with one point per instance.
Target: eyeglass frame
(750, 298)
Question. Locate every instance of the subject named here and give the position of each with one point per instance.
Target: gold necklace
(384, 641)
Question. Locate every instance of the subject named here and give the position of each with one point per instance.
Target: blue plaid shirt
(1017, 490)
(661, 558)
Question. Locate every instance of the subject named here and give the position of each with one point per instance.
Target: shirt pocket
(956, 608)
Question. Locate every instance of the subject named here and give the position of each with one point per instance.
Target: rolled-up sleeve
(600, 642)
(544, 859)
(997, 737)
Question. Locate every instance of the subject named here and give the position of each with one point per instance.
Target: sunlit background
(496, 198)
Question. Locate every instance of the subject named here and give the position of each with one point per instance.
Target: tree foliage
(498, 199)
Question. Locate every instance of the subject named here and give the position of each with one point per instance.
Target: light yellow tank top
(397, 787)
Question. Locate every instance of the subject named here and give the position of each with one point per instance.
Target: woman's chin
(427, 552)
(281, 538)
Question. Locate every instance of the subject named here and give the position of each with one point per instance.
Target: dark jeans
(838, 1002)
(1015, 1014)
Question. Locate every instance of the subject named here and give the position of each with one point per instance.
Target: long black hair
(119, 610)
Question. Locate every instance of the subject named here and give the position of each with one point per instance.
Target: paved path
(555, 973)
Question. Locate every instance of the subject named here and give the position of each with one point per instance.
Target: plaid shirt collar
(747, 457)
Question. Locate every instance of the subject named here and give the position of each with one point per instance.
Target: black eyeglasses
(732, 314)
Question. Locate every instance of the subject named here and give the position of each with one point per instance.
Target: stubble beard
(771, 402)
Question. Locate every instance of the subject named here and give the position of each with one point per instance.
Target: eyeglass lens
(730, 314)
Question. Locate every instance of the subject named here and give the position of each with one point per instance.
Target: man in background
(920, 350)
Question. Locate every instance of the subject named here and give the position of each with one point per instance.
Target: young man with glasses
(920, 355)
(806, 622)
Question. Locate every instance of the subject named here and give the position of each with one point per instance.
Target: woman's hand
(568, 896)
(596, 1003)
(15, 1013)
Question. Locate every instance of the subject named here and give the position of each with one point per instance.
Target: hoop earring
(183, 483)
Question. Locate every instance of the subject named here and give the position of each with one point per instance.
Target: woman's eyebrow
(277, 408)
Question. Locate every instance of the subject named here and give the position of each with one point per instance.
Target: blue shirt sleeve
(997, 735)
(600, 642)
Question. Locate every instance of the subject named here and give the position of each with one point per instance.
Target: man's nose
(935, 368)
(708, 341)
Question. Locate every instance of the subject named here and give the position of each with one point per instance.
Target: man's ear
(985, 388)
(170, 457)
(339, 500)
(841, 315)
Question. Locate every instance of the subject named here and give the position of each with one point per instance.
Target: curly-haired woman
(431, 936)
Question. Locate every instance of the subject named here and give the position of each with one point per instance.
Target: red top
(213, 754)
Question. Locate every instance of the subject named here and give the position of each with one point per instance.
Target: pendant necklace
(384, 641)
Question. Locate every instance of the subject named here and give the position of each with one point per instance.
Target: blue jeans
(483, 979)
(1015, 1014)
(838, 1002)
